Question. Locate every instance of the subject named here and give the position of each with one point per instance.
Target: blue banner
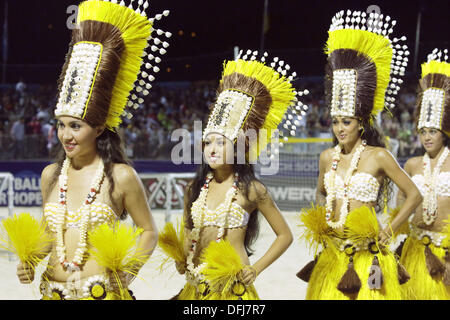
(292, 187)
(27, 178)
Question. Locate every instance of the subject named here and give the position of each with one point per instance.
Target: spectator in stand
(312, 121)
(325, 121)
(34, 126)
(18, 137)
(21, 87)
(167, 109)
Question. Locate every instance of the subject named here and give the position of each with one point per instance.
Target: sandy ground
(278, 282)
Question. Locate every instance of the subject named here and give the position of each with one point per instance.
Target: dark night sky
(298, 30)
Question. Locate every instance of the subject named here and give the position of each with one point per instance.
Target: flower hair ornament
(253, 95)
(433, 102)
(112, 59)
(365, 66)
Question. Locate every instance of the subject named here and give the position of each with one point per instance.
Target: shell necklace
(85, 216)
(331, 194)
(429, 212)
(198, 210)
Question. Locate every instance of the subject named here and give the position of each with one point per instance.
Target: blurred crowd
(398, 124)
(27, 127)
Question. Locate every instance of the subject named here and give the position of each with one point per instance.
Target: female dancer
(91, 182)
(354, 262)
(223, 200)
(425, 246)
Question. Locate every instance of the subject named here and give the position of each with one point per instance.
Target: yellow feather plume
(316, 231)
(279, 87)
(26, 237)
(440, 67)
(171, 241)
(115, 247)
(135, 30)
(223, 264)
(376, 47)
(362, 223)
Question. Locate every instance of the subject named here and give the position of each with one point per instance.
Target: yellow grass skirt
(91, 288)
(109, 296)
(361, 233)
(331, 266)
(192, 292)
(422, 285)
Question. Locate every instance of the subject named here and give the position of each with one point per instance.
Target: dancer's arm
(390, 167)
(46, 178)
(181, 266)
(135, 202)
(324, 160)
(274, 217)
(409, 165)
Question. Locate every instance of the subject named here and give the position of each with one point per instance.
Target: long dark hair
(445, 142)
(366, 85)
(246, 177)
(109, 148)
(446, 139)
(375, 138)
(370, 132)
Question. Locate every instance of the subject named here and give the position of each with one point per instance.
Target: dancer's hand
(248, 275)
(181, 267)
(25, 273)
(384, 237)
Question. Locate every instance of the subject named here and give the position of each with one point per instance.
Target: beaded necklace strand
(331, 194)
(85, 216)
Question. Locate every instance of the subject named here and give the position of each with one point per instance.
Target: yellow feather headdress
(254, 96)
(364, 65)
(102, 74)
(434, 93)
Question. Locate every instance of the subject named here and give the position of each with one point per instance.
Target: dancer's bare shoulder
(326, 155)
(413, 165)
(49, 171)
(125, 176)
(257, 191)
(47, 176)
(325, 159)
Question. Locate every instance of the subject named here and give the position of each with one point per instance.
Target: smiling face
(432, 140)
(77, 137)
(346, 129)
(218, 150)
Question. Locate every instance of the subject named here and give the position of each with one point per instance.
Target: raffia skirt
(426, 281)
(352, 265)
(91, 288)
(202, 292)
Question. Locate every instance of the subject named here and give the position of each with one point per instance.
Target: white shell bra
(363, 187)
(442, 187)
(237, 217)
